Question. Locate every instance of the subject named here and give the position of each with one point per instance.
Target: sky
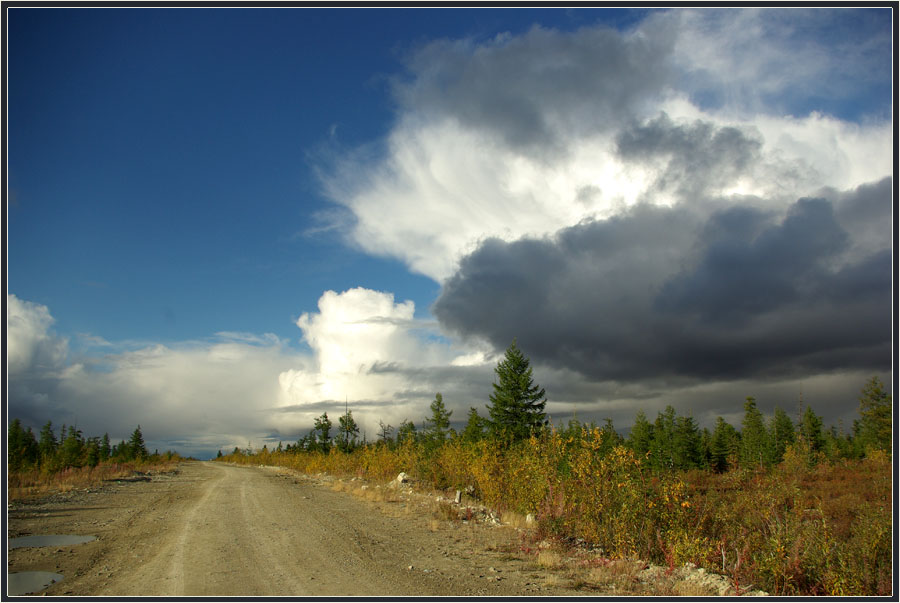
(223, 222)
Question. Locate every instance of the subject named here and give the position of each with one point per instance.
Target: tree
(105, 450)
(406, 432)
(47, 444)
(93, 451)
(475, 426)
(662, 448)
(641, 437)
(136, 447)
(71, 448)
(437, 427)
(754, 439)
(516, 407)
(686, 444)
(811, 430)
(22, 448)
(874, 427)
(781, 434)
(348, 431)
(321, 430)
(384, 432)
(723, 446)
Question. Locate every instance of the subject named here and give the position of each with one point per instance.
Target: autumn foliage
(791, 529)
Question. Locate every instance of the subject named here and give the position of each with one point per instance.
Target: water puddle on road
(48, 540)
(23, 583)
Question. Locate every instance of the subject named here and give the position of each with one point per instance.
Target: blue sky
(163, 161)
(185, 185)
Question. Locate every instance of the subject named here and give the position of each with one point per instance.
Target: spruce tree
(105, 449)
(781, 434)
(136, 446)
(437, 427)
(754, 439)
(475, 424)
(47, 444)
(640, 439)
(321, 431)
(686, 444)
(875, 421)
(723, 446)
(662, 448)
(811, 430)
(516, 407)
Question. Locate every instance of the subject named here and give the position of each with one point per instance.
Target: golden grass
(28, 485)
(550, 559)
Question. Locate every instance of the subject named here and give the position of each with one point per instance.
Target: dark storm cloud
(695, 156)
(530, 89)
(667, 293)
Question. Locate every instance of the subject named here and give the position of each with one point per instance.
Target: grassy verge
(34, 483)
(795, 529)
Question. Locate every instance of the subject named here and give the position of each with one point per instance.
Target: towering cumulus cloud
(371, 352)
(657, 205)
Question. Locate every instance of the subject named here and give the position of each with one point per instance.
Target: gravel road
(220, 530)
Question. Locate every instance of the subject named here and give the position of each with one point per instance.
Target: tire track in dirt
(222, 530)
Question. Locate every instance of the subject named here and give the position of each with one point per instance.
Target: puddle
(48, 540)
(23, 583)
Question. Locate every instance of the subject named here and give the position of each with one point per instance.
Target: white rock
(402, 478)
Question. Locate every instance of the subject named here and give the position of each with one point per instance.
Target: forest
(38, 465)
(782, 505)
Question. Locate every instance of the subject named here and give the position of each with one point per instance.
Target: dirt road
(215, 529)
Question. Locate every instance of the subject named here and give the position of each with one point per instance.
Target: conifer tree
(640, 439)
(105, 450)
(875, 423)
(47, 443)
(321, 431)
(754, 439)
(136, 447)
(781, 434)
(406, 432)
(723, 446)
(348, 431)
(516, 407)
(686, 444)
(662, 447)
(475, 425)
(811, 430)
(437, 427)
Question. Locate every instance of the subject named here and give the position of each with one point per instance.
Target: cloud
(669, 292)
(200, 396)
(31, 346)
(535, 92)
(209, 393)
(521, 136)
(780, 61)
(371, 351)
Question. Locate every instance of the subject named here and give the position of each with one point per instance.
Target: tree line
(49, 452)
(671, 442)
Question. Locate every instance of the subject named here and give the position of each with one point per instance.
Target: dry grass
(550, 559)
(515, 520)
(692, 588)
(620, 573)
(36, 484)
